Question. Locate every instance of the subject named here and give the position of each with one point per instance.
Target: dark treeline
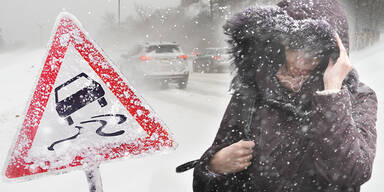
(367, 21)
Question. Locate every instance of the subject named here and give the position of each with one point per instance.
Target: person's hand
(233, 158)
(336, 72)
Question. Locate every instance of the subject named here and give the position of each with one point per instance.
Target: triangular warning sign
(83, 111)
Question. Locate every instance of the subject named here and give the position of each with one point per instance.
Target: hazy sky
(20, 19)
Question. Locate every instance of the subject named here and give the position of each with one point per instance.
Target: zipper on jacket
(247, 129)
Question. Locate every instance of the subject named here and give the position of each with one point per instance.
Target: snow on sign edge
(67, 24)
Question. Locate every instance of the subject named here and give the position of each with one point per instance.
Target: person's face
(300, 63)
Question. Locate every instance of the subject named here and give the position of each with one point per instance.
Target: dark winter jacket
(305, 141)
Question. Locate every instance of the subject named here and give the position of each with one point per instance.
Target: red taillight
(145, 58)
(216, 57)
(183, 57)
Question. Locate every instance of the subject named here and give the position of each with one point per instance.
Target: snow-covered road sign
(82, 112)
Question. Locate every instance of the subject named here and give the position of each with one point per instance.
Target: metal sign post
(94, 179)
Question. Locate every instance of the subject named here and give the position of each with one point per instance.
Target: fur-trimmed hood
(258, 35)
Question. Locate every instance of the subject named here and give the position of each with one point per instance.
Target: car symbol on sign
(89, 92)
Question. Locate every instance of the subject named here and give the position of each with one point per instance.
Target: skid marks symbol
(99, 130)
(67, 139)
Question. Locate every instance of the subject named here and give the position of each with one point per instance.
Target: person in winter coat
(299, 118)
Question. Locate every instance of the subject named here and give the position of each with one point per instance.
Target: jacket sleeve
(345, 135)
(229, 132)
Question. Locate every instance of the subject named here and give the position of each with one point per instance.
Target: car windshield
(73, 87)
(224, 51)
(214, 52)
(209, 52)
(163, 49)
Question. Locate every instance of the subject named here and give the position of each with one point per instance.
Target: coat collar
(272, 92)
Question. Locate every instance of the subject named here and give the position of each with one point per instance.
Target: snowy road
(193, 115)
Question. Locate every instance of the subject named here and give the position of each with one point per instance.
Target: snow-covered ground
(193, 115)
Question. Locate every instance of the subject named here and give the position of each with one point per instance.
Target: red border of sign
(69, 31)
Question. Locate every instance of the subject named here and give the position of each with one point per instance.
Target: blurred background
(192, 23)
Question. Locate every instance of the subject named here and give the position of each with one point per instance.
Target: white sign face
(92, 116)
(83, 111)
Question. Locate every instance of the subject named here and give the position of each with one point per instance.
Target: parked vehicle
(163, 62)
(212, 60)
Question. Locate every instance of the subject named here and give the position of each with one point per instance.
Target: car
(162, 62)
(85, 90)
(211, 60)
